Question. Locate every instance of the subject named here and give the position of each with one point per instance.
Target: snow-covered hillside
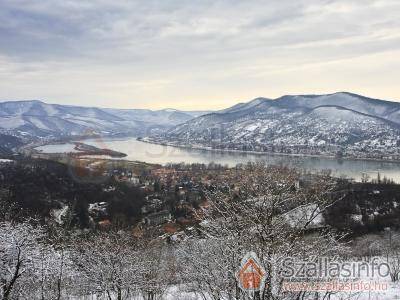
(334, 124)
(37, 118)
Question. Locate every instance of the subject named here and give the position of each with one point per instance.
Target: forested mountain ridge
(333, 124)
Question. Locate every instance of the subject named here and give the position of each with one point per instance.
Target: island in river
(85, 149)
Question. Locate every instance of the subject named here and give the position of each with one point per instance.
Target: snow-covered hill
(36, 118)
(334, 124)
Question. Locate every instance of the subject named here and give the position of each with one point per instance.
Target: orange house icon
(251, 274)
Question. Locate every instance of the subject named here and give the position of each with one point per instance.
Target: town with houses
(171, 200)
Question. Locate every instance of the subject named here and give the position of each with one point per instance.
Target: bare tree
(108, 263)
(391, 252)
(158, 269)
(19, 249)
(208, 267)
(255, 216)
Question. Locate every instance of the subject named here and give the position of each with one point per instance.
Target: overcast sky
(196, 54)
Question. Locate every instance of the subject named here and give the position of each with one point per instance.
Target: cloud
(194, 50)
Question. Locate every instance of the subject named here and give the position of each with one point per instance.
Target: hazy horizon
(204, 109)
(196, 56)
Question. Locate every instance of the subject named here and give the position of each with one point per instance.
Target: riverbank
(261, 153)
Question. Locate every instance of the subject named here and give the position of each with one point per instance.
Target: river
(152, 153)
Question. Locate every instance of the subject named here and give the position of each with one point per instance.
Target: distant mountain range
(38, 119)
(341, 124)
